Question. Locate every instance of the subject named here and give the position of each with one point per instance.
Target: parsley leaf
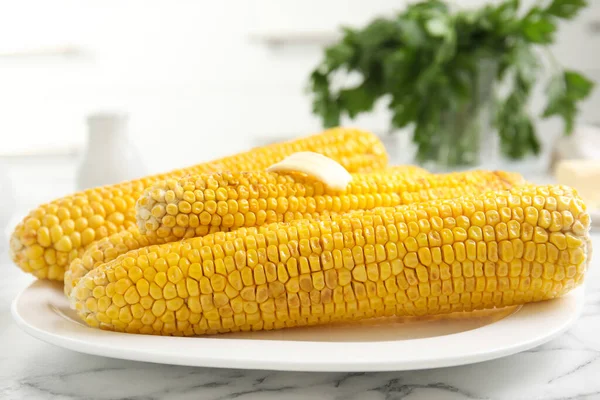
(436, 67)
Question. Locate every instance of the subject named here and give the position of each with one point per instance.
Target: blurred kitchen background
(197, 80)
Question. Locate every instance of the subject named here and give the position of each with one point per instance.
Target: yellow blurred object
(55, 234)
(584, 176)
(493, 250)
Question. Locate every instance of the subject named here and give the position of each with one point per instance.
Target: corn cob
(54, 234)
(407, 181)
(492, 250)
(102, 251)
(201, 204)
(109, 248)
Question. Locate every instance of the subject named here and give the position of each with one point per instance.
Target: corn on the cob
(493, 250)
(54, 234)
(109, 248)
(201, 204)
(103, 251)
(368, 191)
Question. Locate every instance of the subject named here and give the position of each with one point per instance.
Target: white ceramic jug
(109, 156)
(7, 205)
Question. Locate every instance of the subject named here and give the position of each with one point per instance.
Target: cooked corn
(119, 243)
(103, 251)
(493, 250)
(54, 234)
(201, 204)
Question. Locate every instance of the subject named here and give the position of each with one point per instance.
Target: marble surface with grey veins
(565, 368)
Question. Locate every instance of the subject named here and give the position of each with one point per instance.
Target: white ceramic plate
(376, 345)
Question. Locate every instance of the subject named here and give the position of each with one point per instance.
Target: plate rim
(575, 299)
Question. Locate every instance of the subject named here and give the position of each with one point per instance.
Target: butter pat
(584, 176)
(328, 171)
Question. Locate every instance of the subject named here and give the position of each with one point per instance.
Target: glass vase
(466, 137)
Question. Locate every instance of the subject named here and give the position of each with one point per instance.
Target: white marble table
(565, 368)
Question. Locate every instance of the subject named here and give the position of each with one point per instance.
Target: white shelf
(67, 50)
(280, 38)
